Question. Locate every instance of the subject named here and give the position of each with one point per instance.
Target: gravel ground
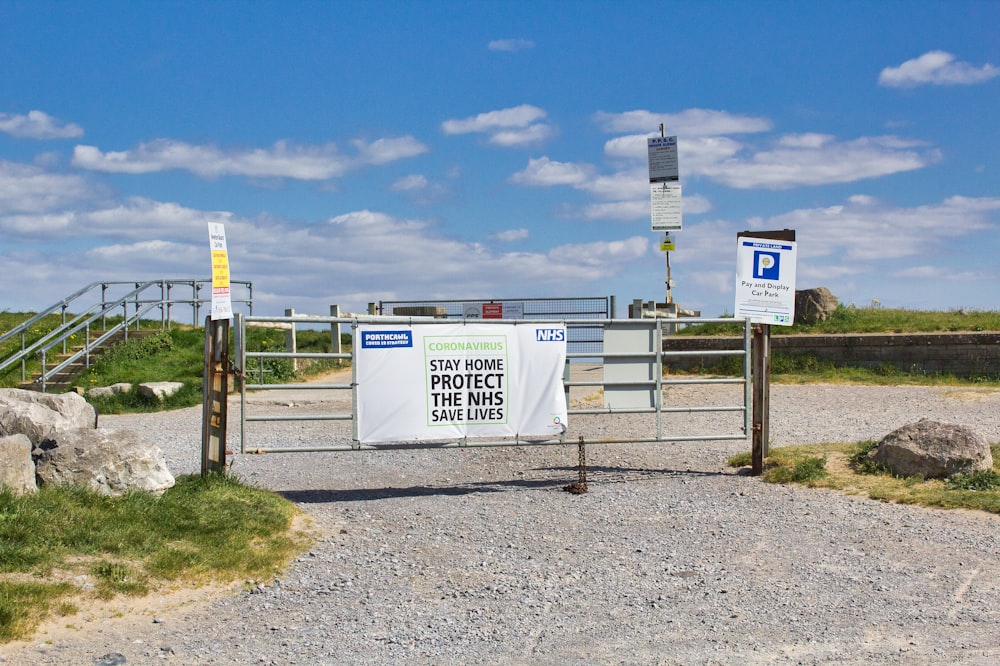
(477, 556)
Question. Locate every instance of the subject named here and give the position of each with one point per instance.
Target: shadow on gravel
(598, 475)
(369, 494)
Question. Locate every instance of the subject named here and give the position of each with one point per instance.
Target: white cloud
(544, 172)
(37, 125)
(687, 123)
(631, 209)
(936, 68)
(510, 235)
(865, 231)
(411, 182)
(695, 204)
(596, 255)
(818, 161)
(419, 189)
(358, 256)
(29, 189)
(633, 183)
(940, 273)
(623, 211)
(531, 134)
(795, 160)
(510, 45)
(808, 140)
(515, 126)
(134, 218)
(692, 152)
(517, 116)
(383, 151)
(280, 161)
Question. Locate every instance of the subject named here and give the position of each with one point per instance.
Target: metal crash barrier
(632, 381)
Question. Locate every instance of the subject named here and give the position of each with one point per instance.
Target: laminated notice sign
(665, 206)
(222, 305)
(448, 381)
(662, 151)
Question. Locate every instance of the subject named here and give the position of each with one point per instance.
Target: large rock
(933, 449)
(111, 462)
(814, 305)
(17, 471)
(108, 391)
(159, 390)
(37, 415)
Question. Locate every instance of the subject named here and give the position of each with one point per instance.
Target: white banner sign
(450, 381)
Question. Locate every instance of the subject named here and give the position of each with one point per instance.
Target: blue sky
(365, 151)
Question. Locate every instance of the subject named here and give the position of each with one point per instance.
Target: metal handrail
(138, 298)
(94, 344)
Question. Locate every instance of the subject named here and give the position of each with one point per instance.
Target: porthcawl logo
(386, 339)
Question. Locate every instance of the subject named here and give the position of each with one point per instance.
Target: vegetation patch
(204, 529)
(847, 468)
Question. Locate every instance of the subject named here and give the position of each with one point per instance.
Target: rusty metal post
(216, 396)
(761, 354)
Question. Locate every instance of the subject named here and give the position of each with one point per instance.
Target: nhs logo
(550, 334)
(765, 265)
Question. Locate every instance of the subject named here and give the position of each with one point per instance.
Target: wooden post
(335, 330)
(290, 343)
(760, 352)
(215, 408)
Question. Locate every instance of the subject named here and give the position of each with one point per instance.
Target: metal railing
(80, 316)
(655, 385)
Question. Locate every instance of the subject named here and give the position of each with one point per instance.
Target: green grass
(846, 467)
(204, 529)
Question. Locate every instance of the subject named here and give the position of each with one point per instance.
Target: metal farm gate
(621, 371)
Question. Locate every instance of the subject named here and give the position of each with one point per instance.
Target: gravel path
(477, 556)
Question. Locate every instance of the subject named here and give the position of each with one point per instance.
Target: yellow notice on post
(222, 305)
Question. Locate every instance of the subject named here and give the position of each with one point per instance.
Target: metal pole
(761, 395)
(669, 297)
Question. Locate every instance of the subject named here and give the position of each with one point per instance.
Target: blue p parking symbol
(765, 265)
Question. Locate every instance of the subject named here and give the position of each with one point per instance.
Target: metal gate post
(658, 369)
(356, 342)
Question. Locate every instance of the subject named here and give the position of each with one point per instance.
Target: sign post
(215, 387)
(664, 192)
(765, 294)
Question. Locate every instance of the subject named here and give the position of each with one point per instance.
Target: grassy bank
(212, 529)
(849, 319)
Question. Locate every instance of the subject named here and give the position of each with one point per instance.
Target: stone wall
(960, 354)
